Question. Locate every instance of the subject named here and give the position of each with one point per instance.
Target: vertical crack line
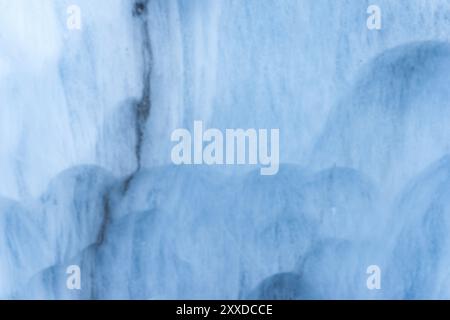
(106, 217)
(143, 106)
(141, 111)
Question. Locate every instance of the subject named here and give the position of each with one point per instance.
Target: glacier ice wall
(86, 178)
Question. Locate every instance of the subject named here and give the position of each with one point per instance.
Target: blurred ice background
(86, 178)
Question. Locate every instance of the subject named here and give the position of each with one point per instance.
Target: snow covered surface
(85, 171)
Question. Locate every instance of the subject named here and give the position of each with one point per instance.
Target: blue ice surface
(87, 179)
